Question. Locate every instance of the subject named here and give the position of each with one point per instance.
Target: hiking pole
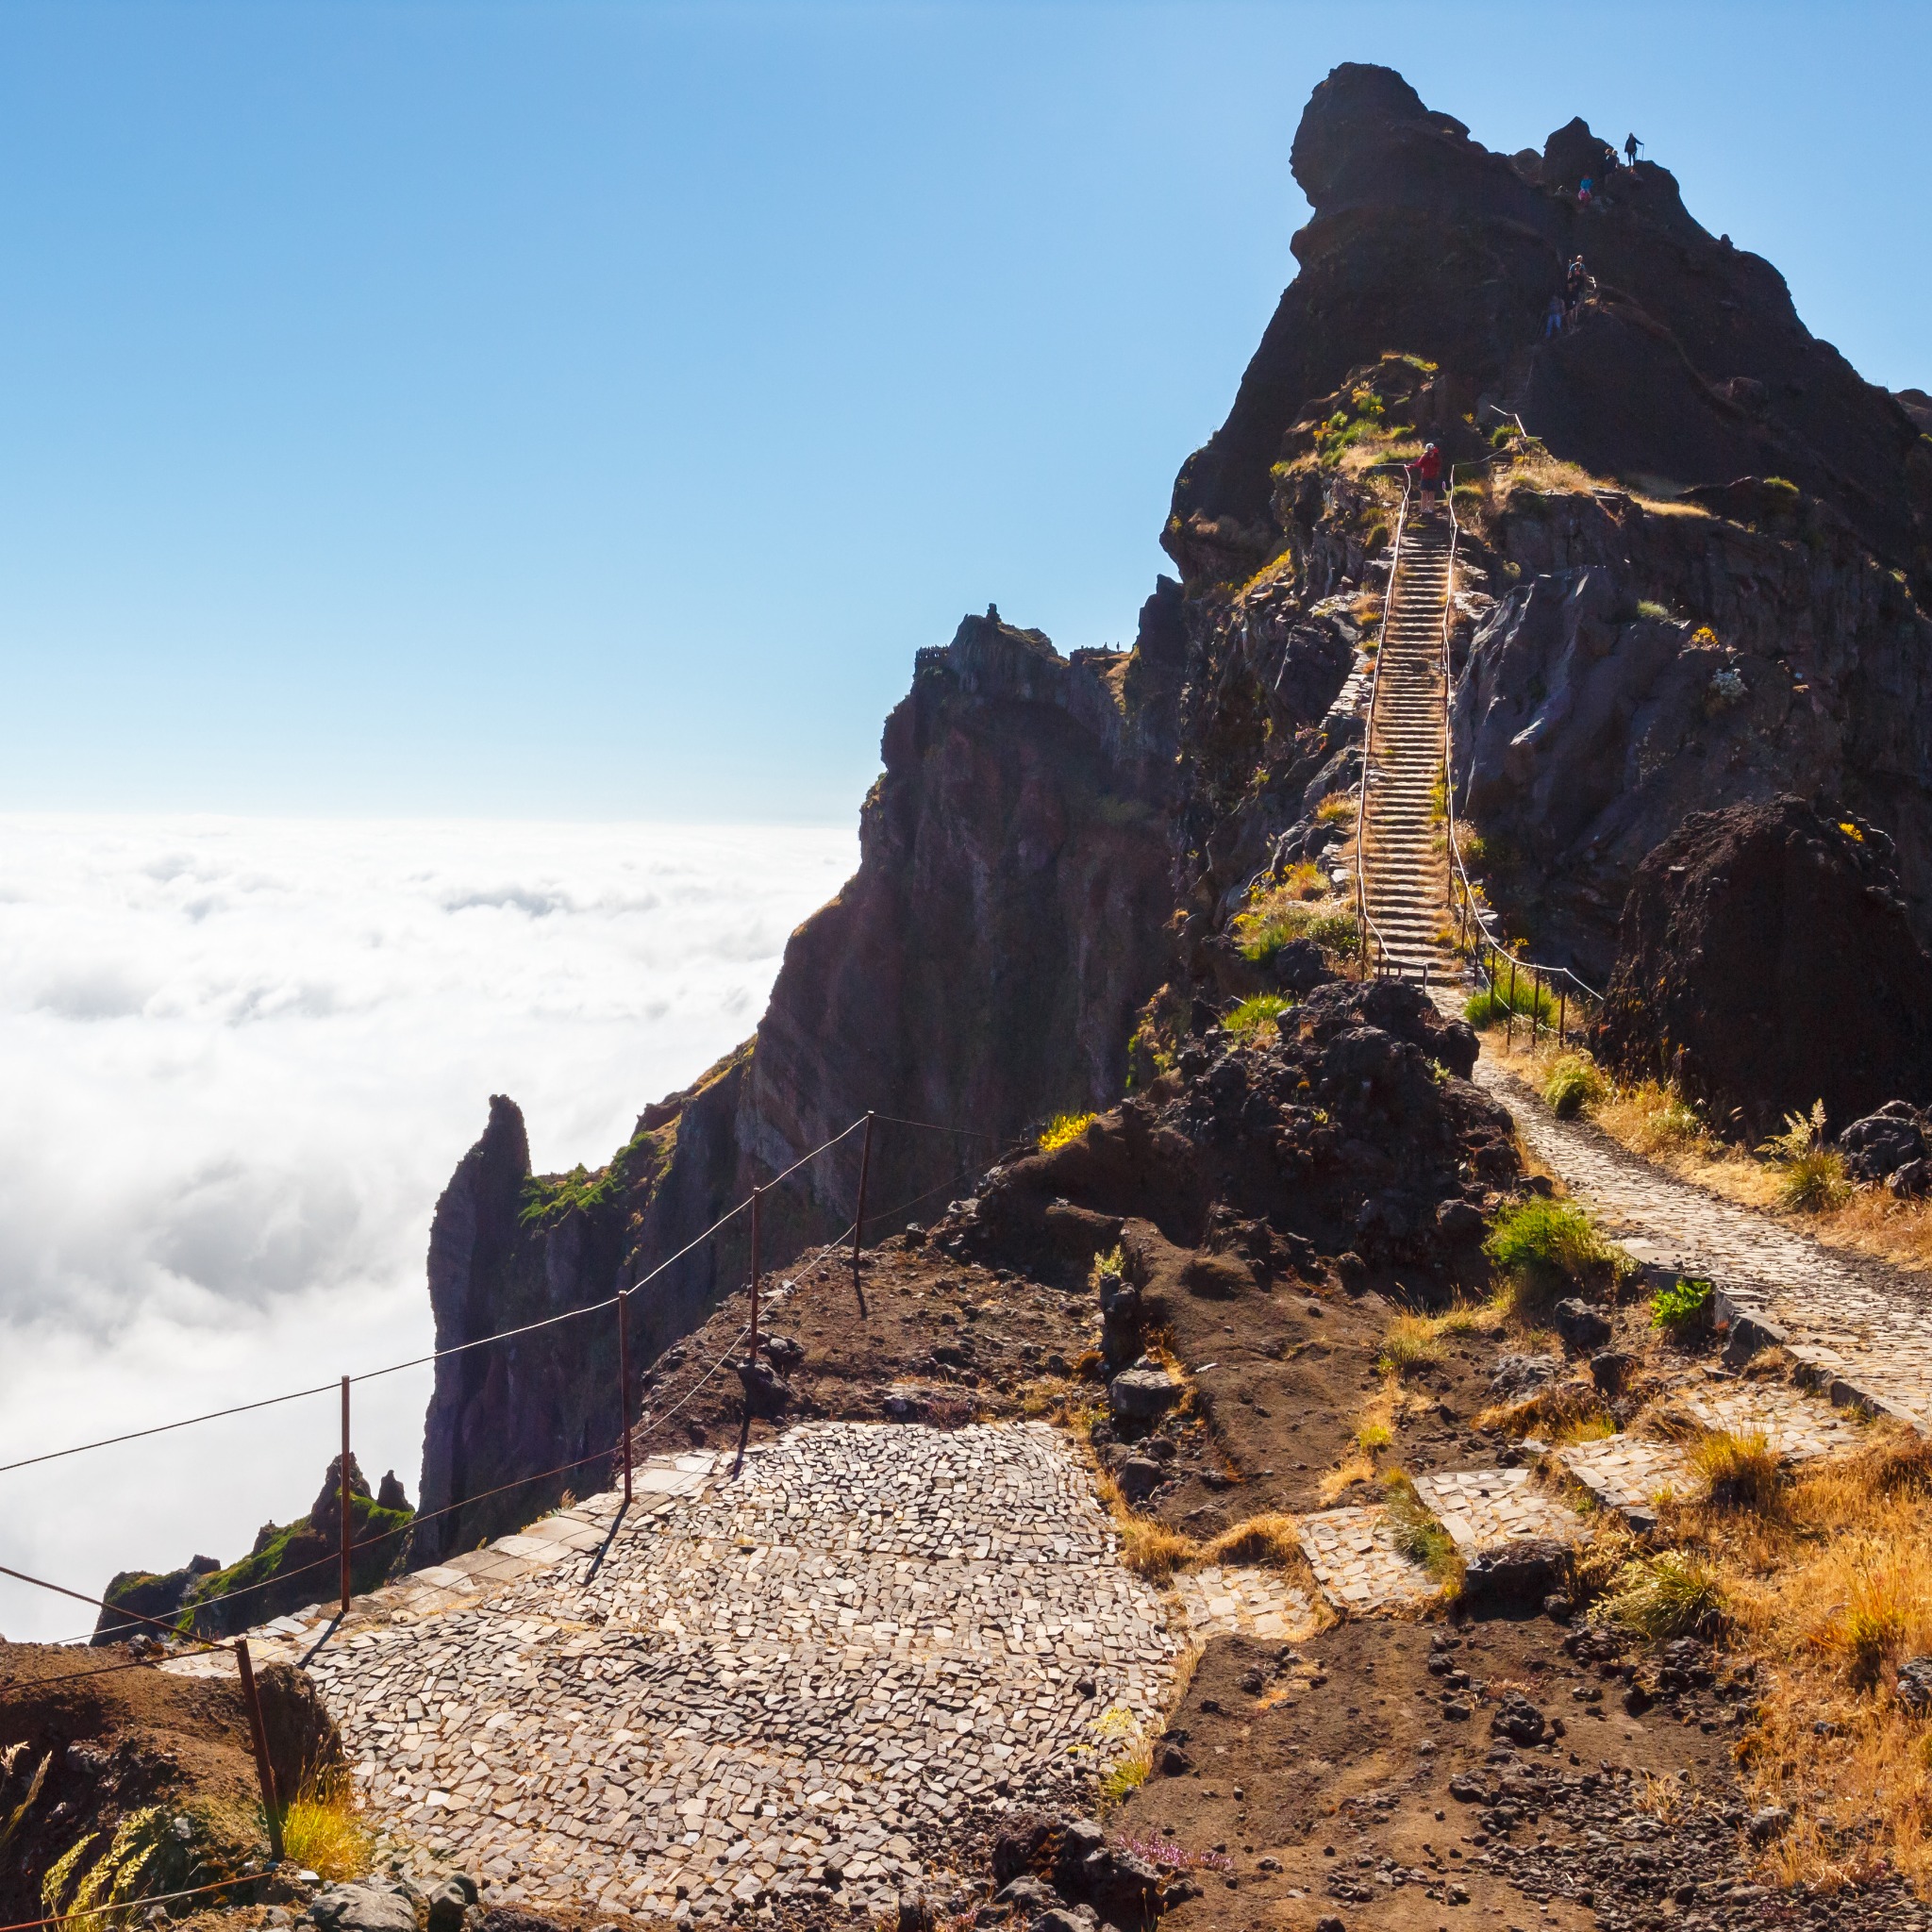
(264, 1771)
(624, 1391)
(346, 1579)
(859, 1215)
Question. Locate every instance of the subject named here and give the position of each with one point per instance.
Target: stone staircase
(1404, 872)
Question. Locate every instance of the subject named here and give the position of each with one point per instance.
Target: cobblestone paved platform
(1482, 1509)
(1795, 1426)
(1355, 1560)
(1244, 1603)
(751, 1683)
(1629, 1472)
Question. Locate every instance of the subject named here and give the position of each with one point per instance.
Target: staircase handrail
(1469, 912)
(1366, 924)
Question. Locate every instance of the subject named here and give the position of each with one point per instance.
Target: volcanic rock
(1766, 963)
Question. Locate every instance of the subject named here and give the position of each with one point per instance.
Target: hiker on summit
(1632, 148)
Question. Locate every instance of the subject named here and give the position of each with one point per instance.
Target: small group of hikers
(1587, 188)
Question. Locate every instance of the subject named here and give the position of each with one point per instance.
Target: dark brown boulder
(1765, 963)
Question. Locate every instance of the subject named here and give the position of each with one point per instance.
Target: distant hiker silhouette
(1552, 322)
(1632, 148)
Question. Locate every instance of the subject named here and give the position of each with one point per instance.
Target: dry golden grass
(321, 1831)
(1828, 1590)
(1652, 1120)
(1567, 1412)
(1267, 1540)
(1737, 1472)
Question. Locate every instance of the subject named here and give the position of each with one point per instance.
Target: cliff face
(981, 969)
(1646, 661)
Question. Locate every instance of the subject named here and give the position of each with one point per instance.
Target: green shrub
(1684, 1306)
(1255, 1015)
(1574, 1084)
(1662, 1596)
(1548, 1245)
(1494, 1004)
(1501, 435)
(1337, 933)
(1655, 612)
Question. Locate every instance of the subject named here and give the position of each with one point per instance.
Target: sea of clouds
(240, 1058)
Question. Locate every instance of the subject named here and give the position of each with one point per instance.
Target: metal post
(859, 1215)
(1536, 1008)
(754, 1193)
(347, 1585)
(624, 1389)
(264, 1771)
(1510, 1025)
(1561, 1036)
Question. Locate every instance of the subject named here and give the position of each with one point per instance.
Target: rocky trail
(1859, 1331)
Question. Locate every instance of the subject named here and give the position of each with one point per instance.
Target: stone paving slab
(1483, 1508)
(1244, 1602)
(1627, 1472)
(1797, 1427)
(1355, 1560)
(820, 1662)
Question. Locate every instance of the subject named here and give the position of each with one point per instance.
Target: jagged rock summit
(1695, 367)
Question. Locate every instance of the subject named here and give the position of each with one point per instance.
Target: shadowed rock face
(1641, 666)
(1695, 367)
(981, 969)
(1766, 963)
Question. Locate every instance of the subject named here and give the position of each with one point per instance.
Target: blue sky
(584, 410)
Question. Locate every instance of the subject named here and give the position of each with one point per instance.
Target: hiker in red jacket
(1428, 470)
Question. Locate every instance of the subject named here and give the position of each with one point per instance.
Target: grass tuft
(1063, 1130)
(1811, 1176)
(321, 1830)
(1418, 1532)
(1266, 1540)
(1573, 1086)
(1669, 1594)
(1254, 1017)
(1411, 1343)
(1737, 1472)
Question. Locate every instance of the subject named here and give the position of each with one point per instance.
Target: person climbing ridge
(1632, 147)
(1584, 197)
(1428, 470)
(1552, 320)
(1578, 287)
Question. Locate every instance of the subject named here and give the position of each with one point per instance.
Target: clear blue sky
(584, 410)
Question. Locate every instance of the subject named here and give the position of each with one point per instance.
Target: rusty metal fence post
(756, 1192)
(257, 1732)
(624, 1391)
(347, 1579)
(859, 1213)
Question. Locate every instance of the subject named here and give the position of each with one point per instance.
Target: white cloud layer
(240, 1058)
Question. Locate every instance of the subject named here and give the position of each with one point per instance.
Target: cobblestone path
(1861, 1331)
(799, 1679)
